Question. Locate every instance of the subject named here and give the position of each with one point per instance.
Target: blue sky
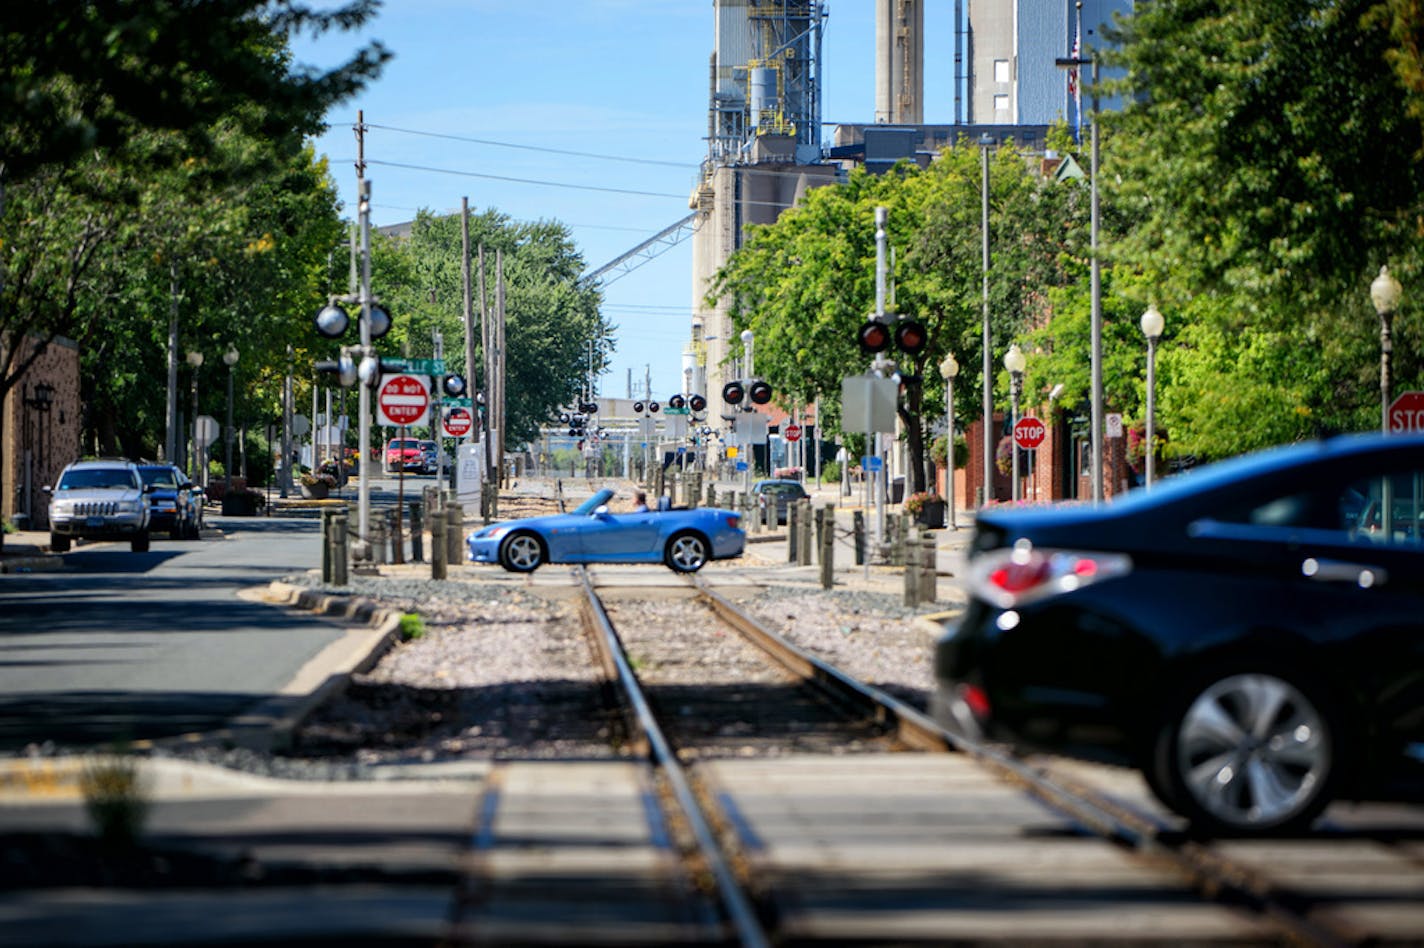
(620, 78)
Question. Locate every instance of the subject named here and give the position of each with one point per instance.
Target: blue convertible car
(683, 539)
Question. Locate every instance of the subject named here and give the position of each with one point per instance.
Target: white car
(99, 500)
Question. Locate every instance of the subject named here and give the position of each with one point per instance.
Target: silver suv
(98, 500)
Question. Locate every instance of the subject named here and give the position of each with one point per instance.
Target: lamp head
(231, 356)
(1014, 359)
(195, 358)
(1385, 292)
(949, 368)
(1152, 322)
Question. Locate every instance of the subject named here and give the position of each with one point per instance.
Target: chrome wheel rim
(523, 552)
(687, 553)
(1253, 751)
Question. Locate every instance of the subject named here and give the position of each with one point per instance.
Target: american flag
(1074, 89)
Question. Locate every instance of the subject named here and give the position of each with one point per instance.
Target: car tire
(177, 532)
(58, 543)
(686, 552)
(1247, 752)
(521, 552)
(139, 544)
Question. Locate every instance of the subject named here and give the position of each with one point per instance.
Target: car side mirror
(47, 489)
(148, 488)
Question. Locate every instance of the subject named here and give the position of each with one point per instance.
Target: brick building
(41, 429)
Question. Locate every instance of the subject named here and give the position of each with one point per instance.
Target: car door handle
(1339, 571)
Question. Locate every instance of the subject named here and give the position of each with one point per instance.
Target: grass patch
(114, 799)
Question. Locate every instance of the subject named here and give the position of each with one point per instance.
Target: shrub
(915, 503)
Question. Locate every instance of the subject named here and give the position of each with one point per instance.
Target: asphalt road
(123, 646)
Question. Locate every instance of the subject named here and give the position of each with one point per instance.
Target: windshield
(159, 476)
(403, 446)
(92, 477)
(594, 502)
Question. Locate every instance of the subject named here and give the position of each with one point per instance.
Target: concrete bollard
(804, 541)
(793, 526)
(858, 529)
(828, 546)
(326, 545)
(929, 591)
(393, 530)
(378, 541)
(438, 546)
(912, 583)
(454, 534)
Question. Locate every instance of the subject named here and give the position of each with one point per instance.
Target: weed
(411, 626)
(114, 799)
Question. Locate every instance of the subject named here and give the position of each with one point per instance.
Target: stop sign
(792, 432)
(1029, 432)
(403, 400)
(1406, 413)
(458, 422)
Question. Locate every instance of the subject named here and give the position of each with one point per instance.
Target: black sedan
(1250, 635)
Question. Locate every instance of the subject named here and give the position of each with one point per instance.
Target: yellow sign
(731, 451)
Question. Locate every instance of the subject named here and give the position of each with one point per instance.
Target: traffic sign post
(1029, 432)
(403, 400)
(1406, 413)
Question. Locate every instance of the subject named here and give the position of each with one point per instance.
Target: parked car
(780, 492)
(403, 454)
(1247, 634)
(98, 500)
(684, 539)
(433, 459)
(175, 503)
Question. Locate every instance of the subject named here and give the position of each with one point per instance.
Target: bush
(831, 472)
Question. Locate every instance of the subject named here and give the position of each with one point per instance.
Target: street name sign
(402, 400)
(417, 366)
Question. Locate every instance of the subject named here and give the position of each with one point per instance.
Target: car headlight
(128, 506)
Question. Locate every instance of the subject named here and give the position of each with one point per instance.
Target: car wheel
(686, 553)
(139, 544)
(521, 553)
(1248, 753)
(177, 531)
(58, 543)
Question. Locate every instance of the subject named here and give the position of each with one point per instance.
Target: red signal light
(733, 393)
(911, 336)
(760, 393)
(874, 336)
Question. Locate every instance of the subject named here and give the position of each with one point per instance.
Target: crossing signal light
(677, 401)
(733, 393)
(911, 337)
(653, 407)
(760, 393)
(453, 385)
(874, 336)
(697, 403)
(343, 368)
(637, 408)
(332, 321)
(588, 408)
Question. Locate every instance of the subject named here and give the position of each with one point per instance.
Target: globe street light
(1014, 362)
(1385, 292)
(1152, 326)
(195, 359)
(948, 369)
(230, 358)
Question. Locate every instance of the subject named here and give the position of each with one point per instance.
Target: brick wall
(38, 443)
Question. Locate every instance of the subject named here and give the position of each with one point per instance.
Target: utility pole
(467, 312)
(499, 361)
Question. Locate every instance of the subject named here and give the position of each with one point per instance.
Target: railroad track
(717, 736)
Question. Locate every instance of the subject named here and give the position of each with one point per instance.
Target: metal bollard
(340, 564)
(804, 544)
(912, 583)
(437, 546)
(711, 495)
(417, 534)
(326, 545)
(378, 542)
(454, 533)
(828, 546)
(858, 528)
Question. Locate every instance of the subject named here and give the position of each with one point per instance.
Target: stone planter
(239, 504)
(318, 491)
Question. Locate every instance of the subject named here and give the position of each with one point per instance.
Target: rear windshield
(158, 476)
(91, 477)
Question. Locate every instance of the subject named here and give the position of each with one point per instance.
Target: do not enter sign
(792, 432)
(403, 400)
(1029, 433)
(458, 422)
(1406, 413)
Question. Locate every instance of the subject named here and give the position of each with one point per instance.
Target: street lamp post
(230, 358)
(1095, 439)
(948, 369)
(1385, 292)
(984, 143)
(747, 337)
(195, 359)
(1014, 362)
(1152, 326)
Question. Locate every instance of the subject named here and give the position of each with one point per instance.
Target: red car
(404, 454)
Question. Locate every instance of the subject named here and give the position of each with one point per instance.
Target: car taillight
(734, 521)
(1022, 574)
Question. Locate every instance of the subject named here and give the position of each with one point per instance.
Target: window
(1398, 500)
(1001, 70)
(1001, 103)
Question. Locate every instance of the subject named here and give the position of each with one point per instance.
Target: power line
(496, 177)
(552, 151)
